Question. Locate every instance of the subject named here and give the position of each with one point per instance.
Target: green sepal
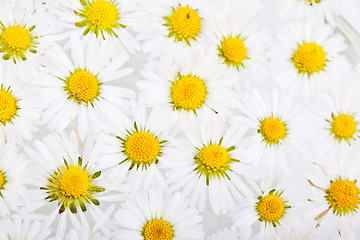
(96, 175)
(66, 164)
(62, 209)
(87, 30)
(96, 189)
(79, 161)
(112, 32)
(95, 201)
(123, 161)
(136, 128)
(132, 166)
(51, 196)
(22, 56)
(6, 56)
(77, 13)
(102, 34)
(82, 206)
(230, 149)
(81, 23)
(118, 137)
(73, 207)
(272, 191)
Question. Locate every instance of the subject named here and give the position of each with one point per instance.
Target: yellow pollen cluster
(214, 157)
(270, 208)
(158, 229)
(7, 106)
(273, 129)
(309, 58)
(16, 37)
(75, 181)
(234, 49)
(343, 195)
(142, 147)
(102, 13)
(2, 179)
(83, 86)
(344, 126)
(185, 22)
(188, 93)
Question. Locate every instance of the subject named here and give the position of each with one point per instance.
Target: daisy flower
(77, 89)
(19, 114)
(191, 88)
(169, 28)
(277, 207)
(23, 227)
(336, 121)
(69, 181)
(308, 58)
(157, 216)
(13, 177)
(138, 148)
(25, 29)
(104, 19)
(240, 48)
(335, 197)
(208, 167)
(277, 129)
(231, 234)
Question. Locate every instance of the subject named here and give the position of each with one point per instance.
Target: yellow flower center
(99, 16)
(186, 22)
(2, 180)
(75, 181)
(142, 147)
(7, 106)
(309, 58)
(72, 186)
(214, 160)
(343, 196)
(270, 208)
(188, 93)
(272, 130)
(102, 13)
(16, 41)
(344, 126)
(83, 86)
(234, 49)
(183, 24)
(214, 157)
(16, 37)
(158, 229)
